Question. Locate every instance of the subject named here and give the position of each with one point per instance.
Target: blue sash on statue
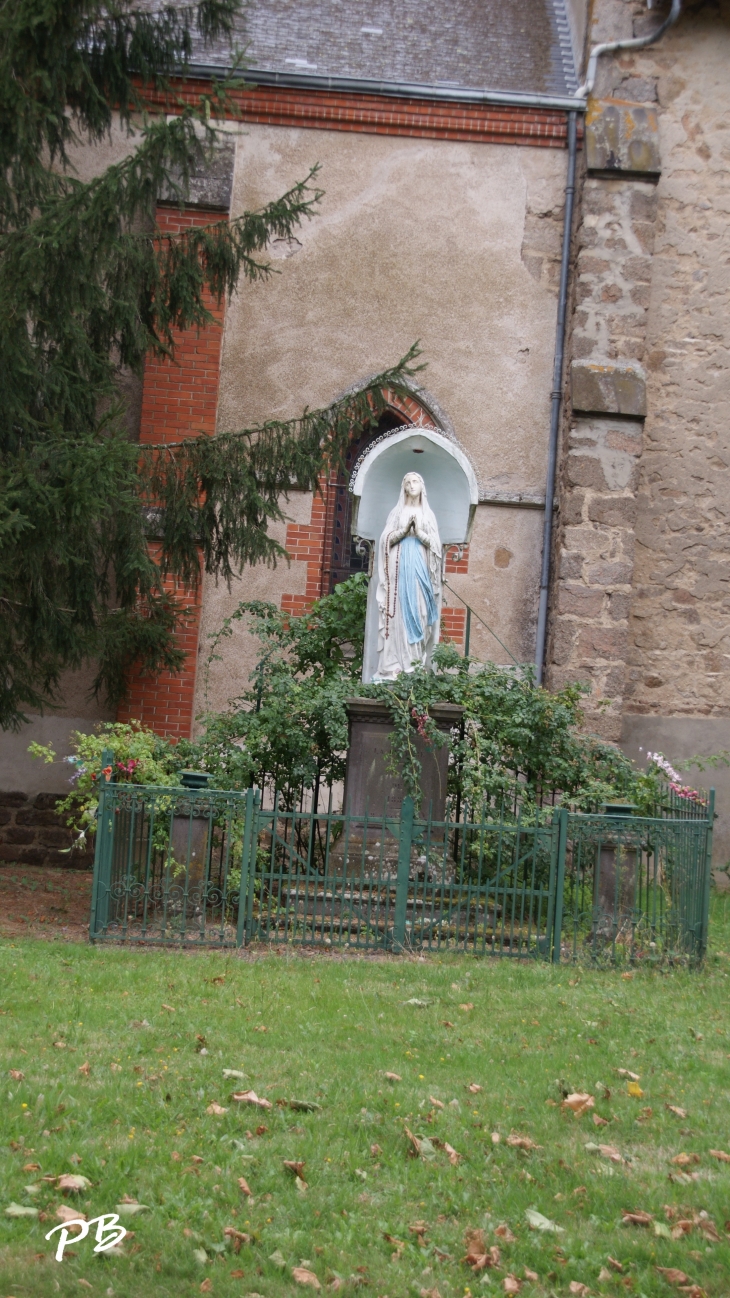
(414, 573)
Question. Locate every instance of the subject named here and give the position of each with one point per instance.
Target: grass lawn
(125, 1100)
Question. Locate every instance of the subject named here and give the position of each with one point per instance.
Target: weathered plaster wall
(453, 244)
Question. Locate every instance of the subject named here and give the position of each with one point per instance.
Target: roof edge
(396, 89)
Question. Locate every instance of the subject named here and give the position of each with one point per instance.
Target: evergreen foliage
(88, 286)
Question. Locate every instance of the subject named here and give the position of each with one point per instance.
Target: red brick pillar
(179, 399)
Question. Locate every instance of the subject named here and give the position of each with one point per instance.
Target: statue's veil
(429, 526)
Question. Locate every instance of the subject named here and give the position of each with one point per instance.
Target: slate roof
(521, 46)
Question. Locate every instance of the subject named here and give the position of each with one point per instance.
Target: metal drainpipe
(556, 397)
(638, 43)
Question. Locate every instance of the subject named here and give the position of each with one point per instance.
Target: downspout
(639, 42)
(556, 398)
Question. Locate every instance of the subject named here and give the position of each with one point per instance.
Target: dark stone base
(369, 785)
(33, 833)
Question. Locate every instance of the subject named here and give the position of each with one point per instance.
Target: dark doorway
(343, 557)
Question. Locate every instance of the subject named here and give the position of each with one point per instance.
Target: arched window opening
(341, 559)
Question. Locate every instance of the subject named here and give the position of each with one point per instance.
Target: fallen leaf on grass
(196, 1158)
(305, 1106)
(85, 1068)
(449, 1150)
(375, 1150)
(446, 1024)
(580, 1290)
(17, 1210)
(662, 1230)
(297, 1168)
(206, 1286)
(305, 1277)
(626, 1072)
(59, 1045)
(392, 1077)
(505, 1233)
(16, 1074)
(466, 1007)
(675, 1109)
(531, 1275)
(511, 1284)
(278, 1259)
(604, 1274)
(116, 1068)
(477, 1255)
(72, 1183)
(430, 1293)
(31, 1167)
(720, 1155)
(496, 1137)
(521, 1142)
(636, 1218)
(399, 1246)
(682, 1227)
(673, 1275)
(473, 1088)
(130, 1209)
(250, 1097)
(64, 1213)
(617, 1266)
(260, 1028)
(598, 1121)
(686, 1160)
(538, 1222)
(85, 1283)
(244, 1187)
(635, 1091)
(237, 1238)
(238, 1275)
(437, 1104)
(419, 1005)
(579, 1102)
(336, 1283)
(170, 1008)
(233, 1075)
(419, 1228)
(216, 1110)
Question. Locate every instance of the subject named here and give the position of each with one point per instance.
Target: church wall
(455, 244)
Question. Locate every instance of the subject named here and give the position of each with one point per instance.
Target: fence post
(560, 883)
(245, 867)
(102, 854)
(705, 917)
(404, 868)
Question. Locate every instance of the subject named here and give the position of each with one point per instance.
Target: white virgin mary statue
(409, 583)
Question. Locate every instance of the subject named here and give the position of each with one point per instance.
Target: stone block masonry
(32, 832)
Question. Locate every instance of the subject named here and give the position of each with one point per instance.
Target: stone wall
(33, 833)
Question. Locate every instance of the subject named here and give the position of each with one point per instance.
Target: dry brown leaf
(496, 1137)
(116, 1068)
(686, 1160)
(71, 1183)
(474, 1241)
(296, 1168)
(616, 1265)
(244, 1187)
(419, 1228)
(673, 1275)
(399, 1246)
(521, 1142)
(250, 1097)
(446, 1024)
(682, 1227)
(237, 1274)
(85, 1283)
(31, 1167)
(260, 1131)
(237, 1237)
(59, 1045)
(611, 1152)
(720, 1155)
(430, 1293)
(626, 1072)
(170, 1008)
(473, 1088)
(437, 1104)
(505, 1233)
(511, 1284)
(531, 1275)
(216, 1109)
(604, 1274)
(392, 1077)
(207, 1285)
(85, 1068)
(598, 1121)
(466, 1007)
(415, 1144)
(448, 1149)
(579, 1102)
(580, 1189)
(303, 1276)
(219, 979)
(692, 1291)
(675, 1109)
(64, 1213)
(636, 1218)
(16, 1074)
(375, 1150)
(336, 1283)
(580, 1290)
(260, 1028)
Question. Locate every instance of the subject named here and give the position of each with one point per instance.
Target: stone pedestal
(369, 784)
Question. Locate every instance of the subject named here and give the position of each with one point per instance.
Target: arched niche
(451, 485)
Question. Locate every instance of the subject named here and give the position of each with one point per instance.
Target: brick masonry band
(381, 115)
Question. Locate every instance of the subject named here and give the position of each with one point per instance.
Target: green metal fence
(209, 868)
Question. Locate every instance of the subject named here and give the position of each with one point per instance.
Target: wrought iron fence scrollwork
(212, 867)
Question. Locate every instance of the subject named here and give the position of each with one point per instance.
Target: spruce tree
(88, 287)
